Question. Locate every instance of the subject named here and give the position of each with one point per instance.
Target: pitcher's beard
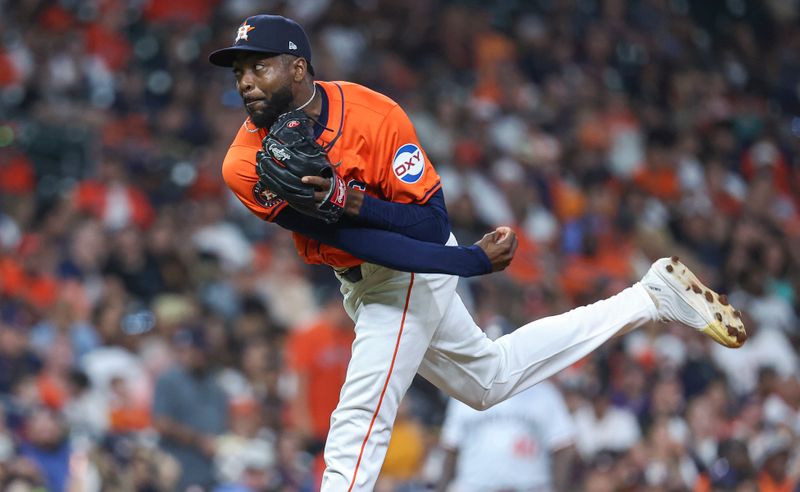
(278, 104)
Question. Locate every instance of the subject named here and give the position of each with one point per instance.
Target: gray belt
(352, 274)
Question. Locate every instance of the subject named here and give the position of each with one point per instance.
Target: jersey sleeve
(388, 248)
(403, 170)
(239, 173)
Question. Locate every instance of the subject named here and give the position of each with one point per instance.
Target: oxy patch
(409, 163)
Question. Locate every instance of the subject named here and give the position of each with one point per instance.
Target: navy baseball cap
(266, 34)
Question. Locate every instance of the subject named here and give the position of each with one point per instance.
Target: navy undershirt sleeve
(387, 248)
(427, 222)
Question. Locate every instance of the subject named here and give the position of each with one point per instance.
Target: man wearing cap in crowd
(190, 409)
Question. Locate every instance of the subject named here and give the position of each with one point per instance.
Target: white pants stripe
(440, 340)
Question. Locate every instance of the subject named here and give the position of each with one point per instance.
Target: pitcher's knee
(479, 404)
(484, 405)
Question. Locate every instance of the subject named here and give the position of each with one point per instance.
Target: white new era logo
(292, 46)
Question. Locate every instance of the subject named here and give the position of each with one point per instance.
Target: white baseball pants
(407, 323)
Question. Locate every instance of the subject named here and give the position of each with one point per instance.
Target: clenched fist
(500, 246)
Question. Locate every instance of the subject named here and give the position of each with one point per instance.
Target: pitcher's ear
(300, 69)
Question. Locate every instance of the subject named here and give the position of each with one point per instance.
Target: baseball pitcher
(342, 168)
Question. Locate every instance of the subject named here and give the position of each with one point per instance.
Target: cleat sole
(723, 323)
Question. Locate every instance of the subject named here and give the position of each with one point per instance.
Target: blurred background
(154, 336)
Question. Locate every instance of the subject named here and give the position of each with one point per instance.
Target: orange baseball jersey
(374, 144)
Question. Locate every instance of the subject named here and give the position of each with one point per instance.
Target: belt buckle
(352, 274)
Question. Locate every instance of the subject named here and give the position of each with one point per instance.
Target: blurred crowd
(154, 336)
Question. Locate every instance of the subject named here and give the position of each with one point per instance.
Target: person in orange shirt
(318, 354)
(657, 176)
(398, 263)
(774, 461)
(125, 413)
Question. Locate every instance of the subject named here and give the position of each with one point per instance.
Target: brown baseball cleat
(680, 296)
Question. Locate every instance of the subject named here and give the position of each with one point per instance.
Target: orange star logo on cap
(242, 32)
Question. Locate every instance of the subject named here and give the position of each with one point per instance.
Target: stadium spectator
(46, 445)
(603, 427)
(405, 456)
(318, 356)
(524, 443)
(190, 410)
